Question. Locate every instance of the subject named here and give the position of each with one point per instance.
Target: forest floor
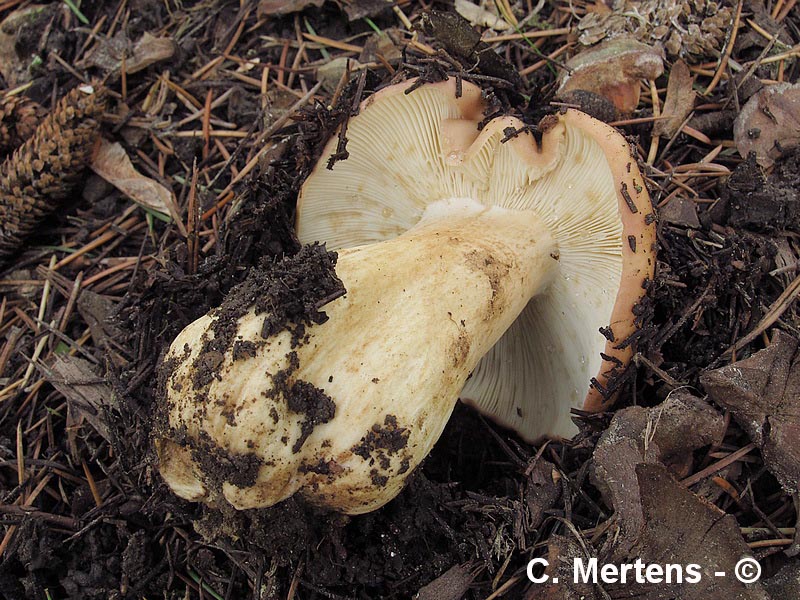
(223, 108)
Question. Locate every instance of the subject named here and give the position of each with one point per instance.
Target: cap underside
(401, 159)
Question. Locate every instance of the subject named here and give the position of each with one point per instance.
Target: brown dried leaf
(769, 123)
(763, 394)
(112, 164)
(677, 528)
(541, 490)
(147, 51)
(786, 582)
(561, 554)
(284, 7)
(358, 9)
(680, 528)
(668, 434)
(331, 73)
(450, 585)
(386, 44)
(594, 105)
(679, 102)
(457, 36)
(84, 389)
(680, 211)
(96, 311)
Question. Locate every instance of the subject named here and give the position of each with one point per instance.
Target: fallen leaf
(84, 389)
(458, 37)
(109, 53)
(763, 394)
(112, 164)
(769, 123)
(668, 434)
(679, 528)
(786, 582)
(561, 584)
(481, 16)
(331, 72)
(450, 585)
(386, 44)
(542, 489)
(613, 69)
(284, 7)
(680, 211)
(679, 101)
(96, 310)
(599, 7)
(148, 51)
(359, 9)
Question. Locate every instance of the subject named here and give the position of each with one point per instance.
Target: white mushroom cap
(407, 151)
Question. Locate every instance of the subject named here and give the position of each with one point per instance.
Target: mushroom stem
(420, 311)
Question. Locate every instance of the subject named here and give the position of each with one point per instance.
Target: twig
(778, 307)
(723, 63)
(718, 466)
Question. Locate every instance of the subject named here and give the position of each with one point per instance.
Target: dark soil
(303, 398)
(84, 511)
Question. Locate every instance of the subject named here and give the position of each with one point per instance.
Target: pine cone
(43, 171)
(19, 117)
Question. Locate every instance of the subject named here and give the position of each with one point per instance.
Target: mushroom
(478, 263)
